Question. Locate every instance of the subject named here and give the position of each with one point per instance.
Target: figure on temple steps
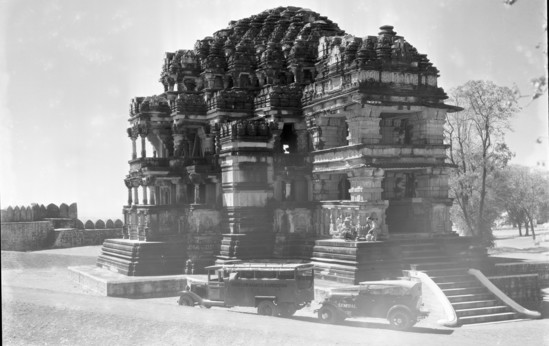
(345, 230)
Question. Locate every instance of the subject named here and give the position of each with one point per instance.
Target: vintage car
(399, 301)
(275, 289)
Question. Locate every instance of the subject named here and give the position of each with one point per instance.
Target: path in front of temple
(41, 306)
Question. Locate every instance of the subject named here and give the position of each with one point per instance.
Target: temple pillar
(134, 149)
(173, 193)
(366, 184)
(129, 187)
(428, 126)
(152, 191)
(136, 194)
(327, 186)
(247, 175)
(143, 146)
(363, 124)
(334, 132)
(208, 145)
(145, 192)
(302, 141)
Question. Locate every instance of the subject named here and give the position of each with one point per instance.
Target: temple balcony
(378, 155)
(149, 163)
(207, 163)
(291, 160)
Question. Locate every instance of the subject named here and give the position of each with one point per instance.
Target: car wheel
(400, 319)
(328, 314)
(186, 301)
(286, 310)
(267, 308)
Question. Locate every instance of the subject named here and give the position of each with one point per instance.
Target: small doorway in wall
(288, 139)
(343, 188)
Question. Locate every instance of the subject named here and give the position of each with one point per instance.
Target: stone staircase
(472, 302)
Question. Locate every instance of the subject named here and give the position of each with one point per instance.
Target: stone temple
(270, 133)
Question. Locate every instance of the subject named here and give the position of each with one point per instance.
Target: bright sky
(68, 70)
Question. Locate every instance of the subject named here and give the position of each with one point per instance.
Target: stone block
(63, 210)
(73, 211)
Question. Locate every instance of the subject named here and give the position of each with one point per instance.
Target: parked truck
(275, 289)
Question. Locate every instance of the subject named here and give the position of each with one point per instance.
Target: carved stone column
(365, 184)
(315, 133)
(129, 186)
(143, 146)
(145, 192)
(302, 141)
(428, 126)
(363, 124)
(133, 134)
(134, 149)
(136, 193)
(153, 195)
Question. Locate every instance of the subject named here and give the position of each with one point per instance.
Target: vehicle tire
(329, 314)
(400, 319)
(267, 308)
(286, 310)
(186, 301)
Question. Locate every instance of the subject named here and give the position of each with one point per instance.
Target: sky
(68, 70)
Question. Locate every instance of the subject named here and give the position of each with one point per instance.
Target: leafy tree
(477, 149)
(524, 193)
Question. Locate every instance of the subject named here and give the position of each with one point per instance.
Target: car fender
(341, 311)
(193, 295)
(259, 299)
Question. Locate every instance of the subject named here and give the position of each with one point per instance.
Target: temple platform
(350, 262)
(111, 284)
(140, 258)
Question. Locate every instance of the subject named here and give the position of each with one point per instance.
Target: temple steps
(482, 311)
(442, 272)
(505, 316)
(456, 291)
(472, 302)
(428, 267)
(460, 298)
(457, 284)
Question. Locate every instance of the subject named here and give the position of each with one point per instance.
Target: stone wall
(38, 227)
(65, 238)
(524, 289)
(540, 268)
(26, 236)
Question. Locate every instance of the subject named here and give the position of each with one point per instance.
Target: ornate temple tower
(271, 132)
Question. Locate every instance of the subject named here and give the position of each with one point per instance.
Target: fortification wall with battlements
(39, 227)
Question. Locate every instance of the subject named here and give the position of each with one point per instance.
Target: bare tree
(477, 148)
